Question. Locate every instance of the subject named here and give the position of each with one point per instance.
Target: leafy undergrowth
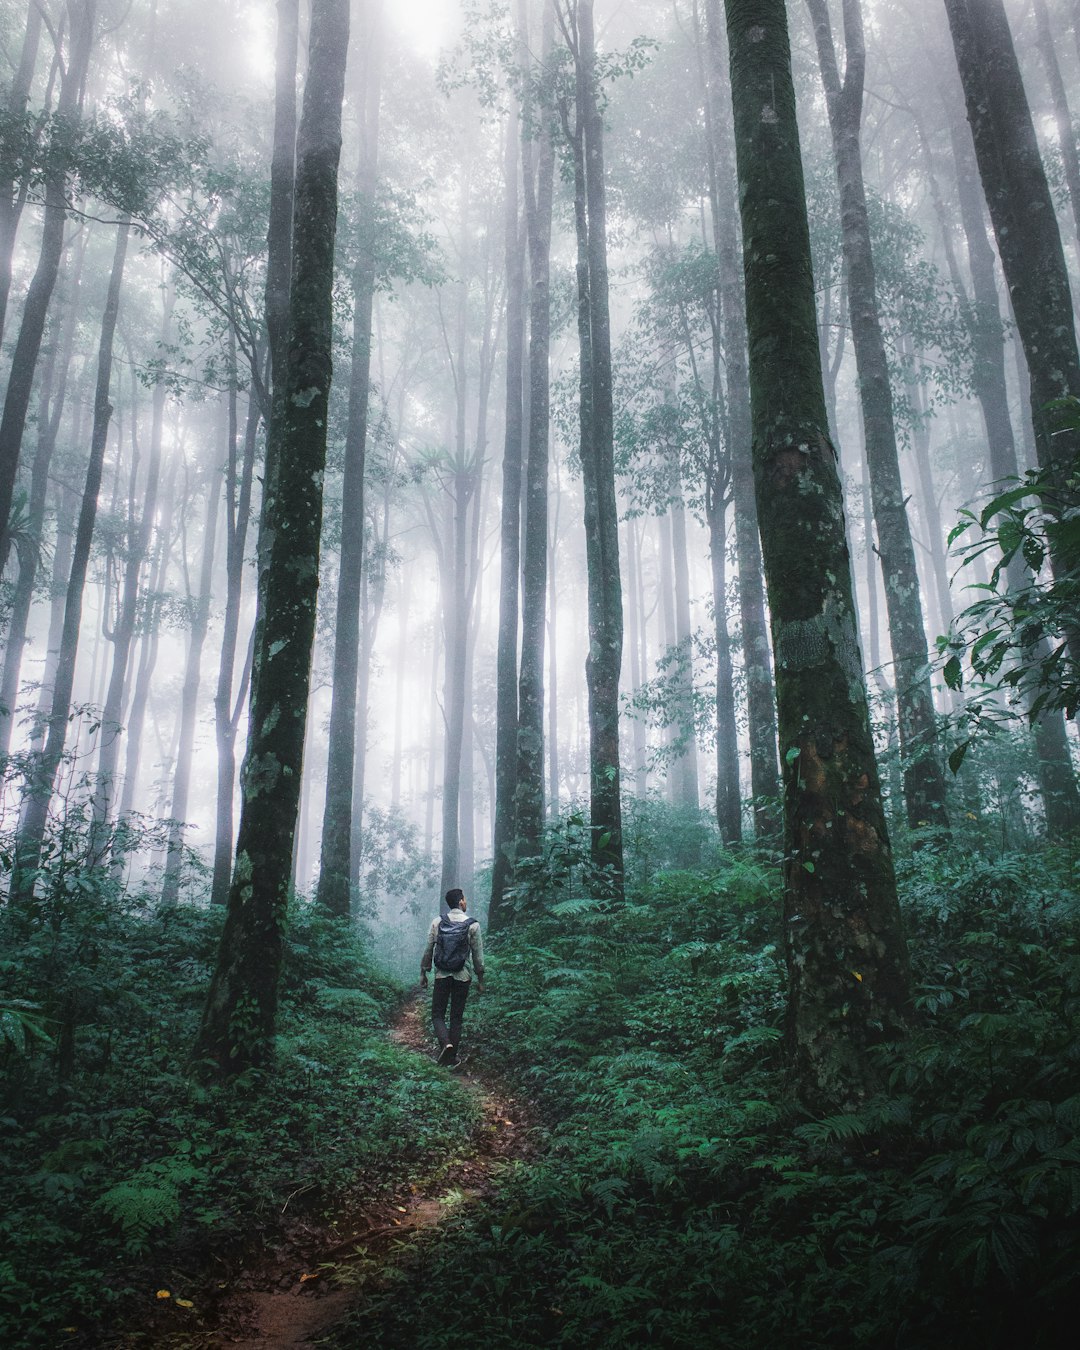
(123, 1175)
(685, 1200)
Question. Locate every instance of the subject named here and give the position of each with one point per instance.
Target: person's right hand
(423, 979)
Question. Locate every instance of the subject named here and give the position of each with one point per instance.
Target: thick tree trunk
(335, 865)
(757, 660)
(604, 662)
(39, 784)
(924, 776)
(847, 962)
(28, 345)
(239, 1019)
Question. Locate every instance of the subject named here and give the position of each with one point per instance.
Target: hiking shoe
(447, 1055)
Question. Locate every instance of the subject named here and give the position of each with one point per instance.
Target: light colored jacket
(476, 949)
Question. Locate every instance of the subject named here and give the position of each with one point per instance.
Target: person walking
(453, 942)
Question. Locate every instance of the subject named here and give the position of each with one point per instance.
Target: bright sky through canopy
(427, 23)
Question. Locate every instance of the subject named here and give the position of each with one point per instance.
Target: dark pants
(455, 992)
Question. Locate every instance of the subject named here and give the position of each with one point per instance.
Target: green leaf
(956, 758)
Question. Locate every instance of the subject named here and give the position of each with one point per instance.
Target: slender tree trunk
(189, 700)
(539, 188)
(553, 805)
(503, 849)
(11, 199)
(335, 866)
(728, 805)
(40, 782)
(1065, 133)
(147, 662)
(924, 777)
(51, 404)
(227, 710)
(138, 544)
(686, 766)
(239, 1019)
(847, 962)
(1029, 241)
(28, 345)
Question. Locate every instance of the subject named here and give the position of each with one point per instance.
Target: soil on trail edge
(299, 1293)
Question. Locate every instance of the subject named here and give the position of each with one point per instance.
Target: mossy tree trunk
(604, 660)
(847, 961)
(335, 864)
(924, 775)
(239, 1018)
(757, 659)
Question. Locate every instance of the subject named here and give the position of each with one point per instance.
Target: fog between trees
(520, 519)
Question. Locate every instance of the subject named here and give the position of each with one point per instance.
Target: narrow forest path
(308, 1286)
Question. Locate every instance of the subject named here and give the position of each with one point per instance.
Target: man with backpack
(453, 941)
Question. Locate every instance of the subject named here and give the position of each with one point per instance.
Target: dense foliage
(122, 1170)
(684, 1199)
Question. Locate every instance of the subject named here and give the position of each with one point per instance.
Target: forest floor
(295, 1291)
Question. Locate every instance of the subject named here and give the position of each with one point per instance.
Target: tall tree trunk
(1065, 133)
(539, 187)
(924, 776)
(239, 1019)
(51, 404)
(1057, 780)
(227, 709)
(686, 765)
(138, 543)
(147, 661)
(335, 866)
(847, 962)
(40, 782)
(28, 345)
(189, 698)
(11, 198)
(1029, 241)
(757, 661)
(604, 662)
(728, 805)
(503, 850)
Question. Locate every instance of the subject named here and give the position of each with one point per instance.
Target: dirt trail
(300, 1292)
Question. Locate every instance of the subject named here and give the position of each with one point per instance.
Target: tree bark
(539, 161)
(28, 345)
(11, 199)
(1062, 117)
(335, 864)
(189, 699)
(757, 660)
(239, 1019)
(847, 962)
(604, 662)
(1029, 241)
(924, 776)
(503, 851)
(41, 779)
